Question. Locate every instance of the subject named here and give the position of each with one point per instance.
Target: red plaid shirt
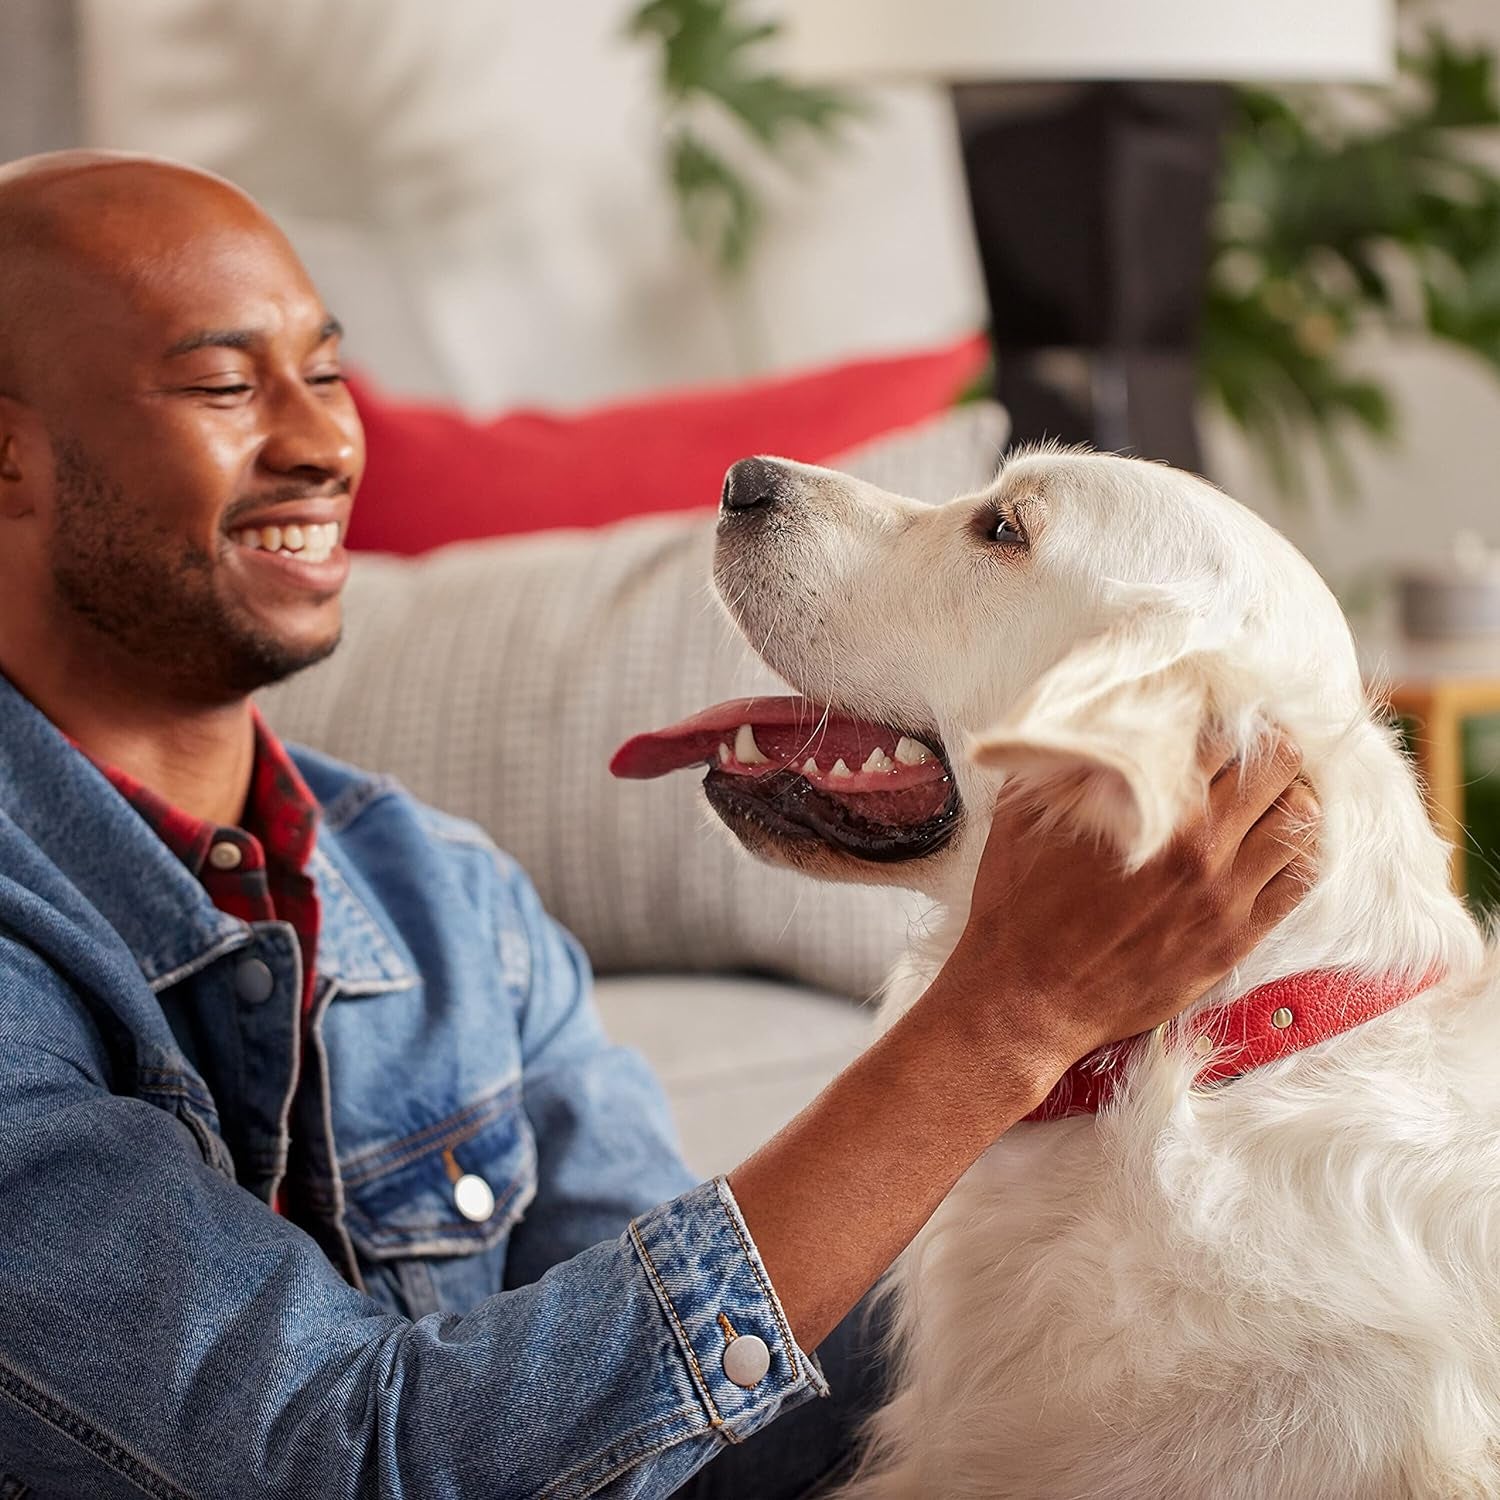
(258, 871)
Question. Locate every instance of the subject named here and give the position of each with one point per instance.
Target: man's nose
(308, 434)
(755, 482)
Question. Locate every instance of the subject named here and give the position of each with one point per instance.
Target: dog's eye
(1006, 531)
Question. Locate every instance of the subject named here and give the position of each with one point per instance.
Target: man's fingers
(1288, 830)
(1281, 895)
(1242, 795)
(1215, 755)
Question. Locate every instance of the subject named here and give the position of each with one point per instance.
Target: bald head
(78, 228)
(170, 391)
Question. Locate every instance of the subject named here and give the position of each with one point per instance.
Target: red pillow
(436, 476)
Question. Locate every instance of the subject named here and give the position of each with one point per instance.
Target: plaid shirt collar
(281, 813)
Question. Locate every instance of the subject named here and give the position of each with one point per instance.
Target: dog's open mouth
(802, 771)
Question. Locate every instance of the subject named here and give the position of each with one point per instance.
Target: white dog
(1286, 1285)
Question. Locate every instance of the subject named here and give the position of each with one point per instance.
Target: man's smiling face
(177, 409)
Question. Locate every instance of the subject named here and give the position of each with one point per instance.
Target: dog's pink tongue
(697, 739)
(786, 732)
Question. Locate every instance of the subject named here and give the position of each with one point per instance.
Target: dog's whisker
(739, 597)
(770, 631)
(786, 926)
(814, 741)
(713, 598)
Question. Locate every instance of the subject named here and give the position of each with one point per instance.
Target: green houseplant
(1334, 220)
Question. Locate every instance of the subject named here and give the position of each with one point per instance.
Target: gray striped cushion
(495, 679)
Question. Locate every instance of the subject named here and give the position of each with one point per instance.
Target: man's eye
(218, 390)
(328, 377)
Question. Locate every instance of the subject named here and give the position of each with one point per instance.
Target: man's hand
(1063, 951)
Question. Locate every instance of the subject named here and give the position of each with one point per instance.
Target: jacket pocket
(453, 1188)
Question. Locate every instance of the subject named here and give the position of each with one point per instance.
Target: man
(317, 1175)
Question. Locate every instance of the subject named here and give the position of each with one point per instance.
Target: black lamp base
(1091, 209)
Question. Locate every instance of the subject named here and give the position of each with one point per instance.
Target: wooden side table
(1435, 689)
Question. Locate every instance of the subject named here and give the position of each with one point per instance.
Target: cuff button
(746, 1360)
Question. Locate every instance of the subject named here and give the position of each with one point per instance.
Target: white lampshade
(977, 40)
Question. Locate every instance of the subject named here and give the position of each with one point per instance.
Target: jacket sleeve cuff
(713, 1289)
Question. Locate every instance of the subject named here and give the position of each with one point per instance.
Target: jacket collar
(354, 949)
(66, 807)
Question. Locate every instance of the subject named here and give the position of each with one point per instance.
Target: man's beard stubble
(152, 591)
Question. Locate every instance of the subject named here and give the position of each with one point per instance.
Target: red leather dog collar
(1268, 1023)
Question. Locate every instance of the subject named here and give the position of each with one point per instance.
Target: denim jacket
(164, 1333)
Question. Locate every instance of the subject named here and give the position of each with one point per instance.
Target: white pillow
(496, 678)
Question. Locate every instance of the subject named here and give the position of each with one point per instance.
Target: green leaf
(718, 210)
(711, 59)
(1274, 387)
(1324, 229)
(1461, 83)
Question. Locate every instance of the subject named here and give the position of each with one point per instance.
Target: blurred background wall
(39, 80)
(484, 200)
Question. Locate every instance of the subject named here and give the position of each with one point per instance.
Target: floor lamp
(1090, 132)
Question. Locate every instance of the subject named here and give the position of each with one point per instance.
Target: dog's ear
(1108, 738)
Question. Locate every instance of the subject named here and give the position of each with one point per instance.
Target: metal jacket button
(746, 1360)
(254, 981)
(473, 1198)
(225, 855)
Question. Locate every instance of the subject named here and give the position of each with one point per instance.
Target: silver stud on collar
(1281, 1018)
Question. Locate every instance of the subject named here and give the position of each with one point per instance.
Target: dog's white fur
(1285, 1287)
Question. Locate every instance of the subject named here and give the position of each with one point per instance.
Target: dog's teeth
(912, 752)
(878, 760)
(840, 769)
(746, 751)
(725, 754)
(809, 767)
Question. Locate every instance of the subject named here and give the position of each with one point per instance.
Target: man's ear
(16, 500)
(1108, 738)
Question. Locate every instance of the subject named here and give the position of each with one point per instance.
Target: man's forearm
(836, 1195)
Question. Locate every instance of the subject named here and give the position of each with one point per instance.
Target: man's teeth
(309, 543)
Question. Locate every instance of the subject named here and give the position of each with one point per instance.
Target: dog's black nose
(752, 482)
